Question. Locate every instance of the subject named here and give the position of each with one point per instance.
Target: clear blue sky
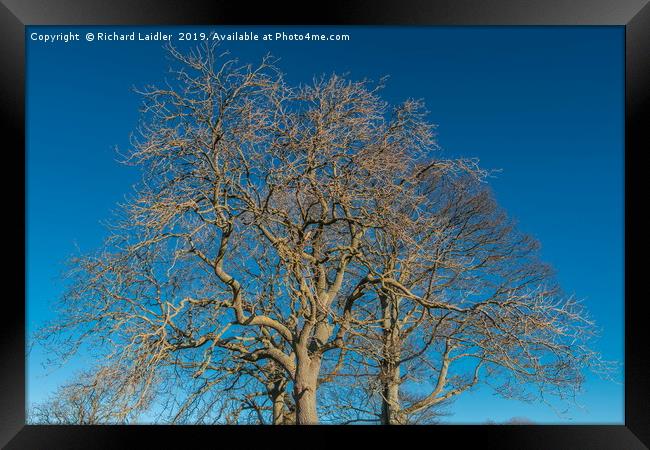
(543, 104)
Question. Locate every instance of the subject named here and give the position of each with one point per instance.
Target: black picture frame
(634, 15)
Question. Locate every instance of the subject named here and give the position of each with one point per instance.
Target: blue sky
(544, 105)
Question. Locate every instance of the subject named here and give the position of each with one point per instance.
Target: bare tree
(105, 395)
(281, 233)
(462, 297)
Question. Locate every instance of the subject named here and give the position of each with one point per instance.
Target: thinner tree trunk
(278, 408)
(390, 364)
(390, 408)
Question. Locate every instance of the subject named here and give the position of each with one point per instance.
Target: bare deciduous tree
(105, 395)
(454, 295)
(283, 235)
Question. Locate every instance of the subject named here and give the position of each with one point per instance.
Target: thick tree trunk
(305, 386)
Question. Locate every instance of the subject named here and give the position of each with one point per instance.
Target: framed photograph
(413, 217)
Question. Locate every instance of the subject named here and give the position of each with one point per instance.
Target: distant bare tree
(281, 234)
(512, 421)
(106, 395)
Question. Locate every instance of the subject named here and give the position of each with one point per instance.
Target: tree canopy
(297, 254)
